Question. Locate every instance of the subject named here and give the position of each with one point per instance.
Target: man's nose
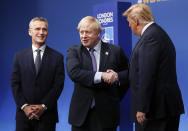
(84, 34)
(42, 31)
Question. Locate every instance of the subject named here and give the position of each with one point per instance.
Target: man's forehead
(39, 23)
(86, 27)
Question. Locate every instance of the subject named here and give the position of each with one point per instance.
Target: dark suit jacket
(152, 74)
(107, 97)
(42, 88)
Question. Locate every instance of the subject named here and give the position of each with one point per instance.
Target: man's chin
(85, 44)
(41, 43)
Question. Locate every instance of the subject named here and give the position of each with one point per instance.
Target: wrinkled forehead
(87, 26)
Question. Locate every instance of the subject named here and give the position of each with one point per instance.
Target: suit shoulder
(74, 47)
(23, 51)
(114, 47)
(154, 31)
(54, 52)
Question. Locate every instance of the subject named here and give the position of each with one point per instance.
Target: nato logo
(108, 35)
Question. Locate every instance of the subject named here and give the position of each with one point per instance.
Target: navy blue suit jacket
(42, 88)
(107, 97)
(152, 75)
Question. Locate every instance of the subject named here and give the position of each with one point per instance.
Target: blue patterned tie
(94, 63)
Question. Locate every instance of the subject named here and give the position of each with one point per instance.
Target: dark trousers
(35, 125)
(167, 124)
(92, 123)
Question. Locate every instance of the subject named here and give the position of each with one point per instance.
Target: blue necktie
(37, 61)
(94, 63)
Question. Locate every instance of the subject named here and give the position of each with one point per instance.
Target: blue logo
(108, 35)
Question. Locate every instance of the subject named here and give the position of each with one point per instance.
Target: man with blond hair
(37, 81)
(96, 69)
(156, 101)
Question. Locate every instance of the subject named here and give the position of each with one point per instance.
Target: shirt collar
(42, 48)
(97, 47)
(146, 26)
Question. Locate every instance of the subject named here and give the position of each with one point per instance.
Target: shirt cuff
(45, 108)
(97, 78)
(23, 106)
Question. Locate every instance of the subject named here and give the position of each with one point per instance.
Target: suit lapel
(29, 58)
(44, 59)
(104, 55)
(85, 58)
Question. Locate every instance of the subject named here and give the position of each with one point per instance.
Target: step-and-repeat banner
(116, 31)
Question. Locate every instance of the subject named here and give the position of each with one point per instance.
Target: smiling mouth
(85, 40)
(41, 37)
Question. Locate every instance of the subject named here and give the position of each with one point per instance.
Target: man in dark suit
(98, 89)
(156, 101)
(37, 81)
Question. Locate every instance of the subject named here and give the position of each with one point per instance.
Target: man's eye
(85, 32)
(44, 29)
(37, 29)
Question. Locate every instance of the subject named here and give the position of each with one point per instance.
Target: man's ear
(29, 32)
(137, 22)
(98, 34)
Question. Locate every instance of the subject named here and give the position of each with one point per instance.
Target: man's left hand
(141, 117)
(38, 111)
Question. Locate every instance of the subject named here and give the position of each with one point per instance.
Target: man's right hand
(110, 76)
(29, 111)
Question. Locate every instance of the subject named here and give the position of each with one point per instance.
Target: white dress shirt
(34, 49)
(97, 48)
(146, 26)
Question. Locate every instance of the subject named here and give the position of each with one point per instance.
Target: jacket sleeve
(123, 74)
(76, 73)
(16, 83)
(147, 66)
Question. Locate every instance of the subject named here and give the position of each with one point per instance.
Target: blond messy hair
(140, 12)
(91, 21)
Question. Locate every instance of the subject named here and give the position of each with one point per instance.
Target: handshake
(110, 76)
(33, 111)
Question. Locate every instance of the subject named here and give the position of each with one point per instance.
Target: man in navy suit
(37, 81)
(96, 69)
(156, 100)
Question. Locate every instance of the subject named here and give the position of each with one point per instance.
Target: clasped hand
(110, 76)
(33, 111)
(141, 117)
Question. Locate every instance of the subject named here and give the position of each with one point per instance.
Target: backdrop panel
(116, 31)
